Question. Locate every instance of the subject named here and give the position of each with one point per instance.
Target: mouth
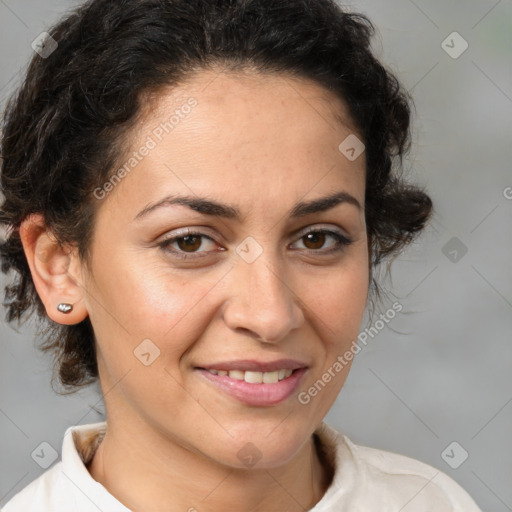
(253, 383)
(255, 377)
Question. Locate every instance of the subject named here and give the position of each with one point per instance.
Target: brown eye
(314, 240)
(323, 241)
(189, 243)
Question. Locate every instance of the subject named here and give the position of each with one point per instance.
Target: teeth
(270, 377)
(255, 377)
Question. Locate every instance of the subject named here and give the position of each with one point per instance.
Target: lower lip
(256, 394)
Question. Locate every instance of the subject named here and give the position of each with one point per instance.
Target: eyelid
(342, 241)
(199, 231)
(319, 227)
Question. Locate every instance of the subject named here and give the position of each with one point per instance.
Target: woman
(197, 195)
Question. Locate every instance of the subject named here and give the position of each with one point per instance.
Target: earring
(65, 308)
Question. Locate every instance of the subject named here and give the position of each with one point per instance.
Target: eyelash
(341, 243)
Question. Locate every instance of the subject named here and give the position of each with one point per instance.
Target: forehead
(226, 133)
(248, 93)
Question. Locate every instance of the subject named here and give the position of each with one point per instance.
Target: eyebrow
(215, 209)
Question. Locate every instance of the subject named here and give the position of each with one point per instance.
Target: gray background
(441, 370)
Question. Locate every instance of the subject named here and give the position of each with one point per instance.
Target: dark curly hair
(84, 98)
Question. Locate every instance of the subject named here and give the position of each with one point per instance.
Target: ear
(56, 271)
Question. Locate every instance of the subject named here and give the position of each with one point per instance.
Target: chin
(258, 447)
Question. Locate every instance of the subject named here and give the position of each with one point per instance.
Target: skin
(261, 143)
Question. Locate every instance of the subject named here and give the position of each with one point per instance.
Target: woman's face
(265, 282)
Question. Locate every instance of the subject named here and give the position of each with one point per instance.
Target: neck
(152, 474)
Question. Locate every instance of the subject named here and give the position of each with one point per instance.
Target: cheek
(136, 302)
(338, 301)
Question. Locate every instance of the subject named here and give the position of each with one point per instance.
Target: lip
(259, 395)
(262, 395)
(252, 365)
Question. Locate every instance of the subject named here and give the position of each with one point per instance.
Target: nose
(262, 302)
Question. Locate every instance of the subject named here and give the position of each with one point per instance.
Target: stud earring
(65, 308)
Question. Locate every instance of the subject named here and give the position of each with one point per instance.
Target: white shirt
(365, 480)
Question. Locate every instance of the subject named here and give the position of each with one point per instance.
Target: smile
(254, 388)
(255, 377)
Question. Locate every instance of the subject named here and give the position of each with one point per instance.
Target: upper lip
(255, 366)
